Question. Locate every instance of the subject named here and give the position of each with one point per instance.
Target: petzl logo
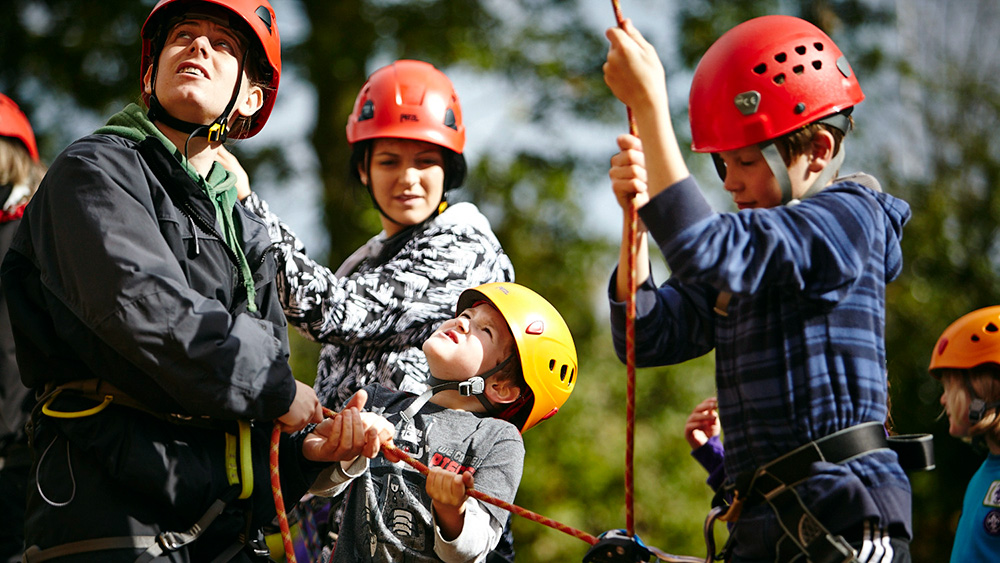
(408, 117)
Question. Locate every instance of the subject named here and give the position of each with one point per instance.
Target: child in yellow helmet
(504, 363)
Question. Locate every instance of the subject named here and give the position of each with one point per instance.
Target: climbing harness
(239, 472)
(774, 483)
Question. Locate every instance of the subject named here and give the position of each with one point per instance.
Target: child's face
(468, 345)
(955, 400)
(407, 181)
(751, 183)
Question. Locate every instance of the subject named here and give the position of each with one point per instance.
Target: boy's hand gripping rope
(630, 234)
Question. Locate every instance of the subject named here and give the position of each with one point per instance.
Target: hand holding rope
(394, 454)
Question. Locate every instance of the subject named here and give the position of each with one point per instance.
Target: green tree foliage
(71, 63)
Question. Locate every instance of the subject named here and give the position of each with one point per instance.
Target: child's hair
(511, 372)
(799, 142)
(16, 165)
(981, 382)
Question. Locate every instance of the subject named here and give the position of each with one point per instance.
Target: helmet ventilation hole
(779, 79)
(818, 46)
(552, 365)
(760, 69)
(991, 328)
(571, 374)
(817, 64)
(801, 49)
(265, 16)
(975, 338)
(798, 69)
(781, 57)
(367, 111)
(562, 372)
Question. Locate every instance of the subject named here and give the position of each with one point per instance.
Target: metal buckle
(472, 386)
(169, 541)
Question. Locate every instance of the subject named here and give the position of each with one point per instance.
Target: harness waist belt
(794, 467)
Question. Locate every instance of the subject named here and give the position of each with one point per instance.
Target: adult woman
(144, 311)
(386, 299)
(375, 312)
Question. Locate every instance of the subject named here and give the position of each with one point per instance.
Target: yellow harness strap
(76, 414)
(239, 463)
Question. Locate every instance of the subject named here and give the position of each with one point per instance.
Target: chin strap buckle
(472, 386)
(217, 133)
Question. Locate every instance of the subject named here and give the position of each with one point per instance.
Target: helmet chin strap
(216, 131)
(777, 164)
(474, 386)
(780, 171)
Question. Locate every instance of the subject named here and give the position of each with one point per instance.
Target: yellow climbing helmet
(544, 344)
(970, 341)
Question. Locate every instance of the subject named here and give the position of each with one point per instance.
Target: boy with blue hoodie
(789, 291)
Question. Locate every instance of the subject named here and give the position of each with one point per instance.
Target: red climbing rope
(279, 500)
(395, 452)
(630, 233)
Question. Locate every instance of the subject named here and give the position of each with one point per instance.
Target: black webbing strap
(915, 451)
(794, 467)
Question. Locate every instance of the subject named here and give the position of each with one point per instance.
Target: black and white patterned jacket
(375, 312)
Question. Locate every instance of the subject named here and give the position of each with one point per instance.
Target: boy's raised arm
(635, 75)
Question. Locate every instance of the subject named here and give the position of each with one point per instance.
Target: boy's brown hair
(799, 142)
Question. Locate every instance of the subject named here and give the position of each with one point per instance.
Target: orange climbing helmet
(764, 78)
(972, 340)
(255, 16)
(544, 345)
(14, 124)
(408, 100)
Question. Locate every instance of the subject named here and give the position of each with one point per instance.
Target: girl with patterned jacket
(374, 313)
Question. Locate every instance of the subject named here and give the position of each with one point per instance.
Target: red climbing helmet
(764, 78)
(972, 340)
(257, 14)
(408, 100)
(13, 123)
